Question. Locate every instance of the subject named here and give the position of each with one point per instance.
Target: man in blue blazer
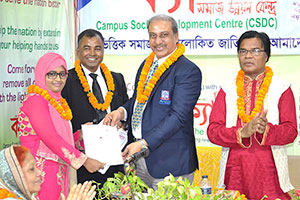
(160, 113)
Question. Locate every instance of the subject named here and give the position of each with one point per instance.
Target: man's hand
(93, 165)
(257, 124)
(121, 125)
(113, 118)
(131, 149)
(250, 128)
(262, 122)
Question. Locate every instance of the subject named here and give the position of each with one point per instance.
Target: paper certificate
(103, 144)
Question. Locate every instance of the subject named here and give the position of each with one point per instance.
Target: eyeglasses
(253, 52)
(162, 35)
(53, 75)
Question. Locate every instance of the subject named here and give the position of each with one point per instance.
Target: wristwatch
(141, 141)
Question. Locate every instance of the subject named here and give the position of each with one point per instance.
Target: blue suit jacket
(167, 123)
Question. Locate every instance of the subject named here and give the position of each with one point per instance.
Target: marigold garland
(63, 108)
(143, 92)
(109, 82)
(6, 194)
(260, 96)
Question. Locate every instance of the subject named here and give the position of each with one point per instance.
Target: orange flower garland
(63, 108)
(143, 92)
(109, 82)
(6, 194)
(260, 96)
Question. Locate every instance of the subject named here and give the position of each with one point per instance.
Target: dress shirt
(100, 80)
(137, 133)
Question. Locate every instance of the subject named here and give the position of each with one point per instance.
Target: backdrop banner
(28, 29)
(205, 26)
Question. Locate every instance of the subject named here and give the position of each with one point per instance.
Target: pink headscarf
(45, 64)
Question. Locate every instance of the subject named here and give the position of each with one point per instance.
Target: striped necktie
(137, 114)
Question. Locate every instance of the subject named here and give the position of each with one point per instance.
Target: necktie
(98, 94)
(137, 114)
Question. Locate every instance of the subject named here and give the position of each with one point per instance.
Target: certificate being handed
(103, 144)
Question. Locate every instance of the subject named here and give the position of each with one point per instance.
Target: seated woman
(21, 179)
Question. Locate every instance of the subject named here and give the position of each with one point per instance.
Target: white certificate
(103, 144)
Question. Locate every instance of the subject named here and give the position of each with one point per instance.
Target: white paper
(123, 137)
(103, 144)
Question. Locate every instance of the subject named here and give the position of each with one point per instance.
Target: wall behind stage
(216, 70)
(206, 27)
(28, 29)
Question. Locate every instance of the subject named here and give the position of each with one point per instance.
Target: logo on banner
(175, 6)
(165, 97)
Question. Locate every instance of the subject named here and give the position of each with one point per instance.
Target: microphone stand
(143, 153)
(128, 165)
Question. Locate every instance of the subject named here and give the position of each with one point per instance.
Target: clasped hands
(257, 124)
(79, 191)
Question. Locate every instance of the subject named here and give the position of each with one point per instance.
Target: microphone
(141, 154)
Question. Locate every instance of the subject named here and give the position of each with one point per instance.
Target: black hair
(89, 33)
(264, 38)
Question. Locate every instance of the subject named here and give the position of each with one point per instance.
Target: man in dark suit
(160, 113)
(94, 77)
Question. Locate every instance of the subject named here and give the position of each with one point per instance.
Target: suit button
(95, 121)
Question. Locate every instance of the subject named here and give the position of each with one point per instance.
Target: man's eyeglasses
(53, 75)
(254, 52)
(162, 35)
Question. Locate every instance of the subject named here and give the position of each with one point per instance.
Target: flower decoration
(297, 192)
(125, 189)
(121, 187)
(260, 96)
(143, 92)
(86, 88)
(171, 188)
(294, 194)
(62, 108)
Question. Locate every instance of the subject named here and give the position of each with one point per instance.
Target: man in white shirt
(86, 88)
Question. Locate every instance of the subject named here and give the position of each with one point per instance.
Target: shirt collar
(163, 59)
(259, 77)
(87, 71)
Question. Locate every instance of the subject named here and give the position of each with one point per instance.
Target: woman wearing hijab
(20, 178)
(44, 127)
